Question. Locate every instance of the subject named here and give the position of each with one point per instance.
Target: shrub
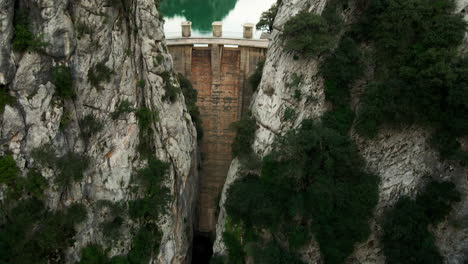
(245, 136)
(99, 73)
(312, 180)
(190, 95)
(340, 119)
(82, 28)
(63, 81)
(232, 240)
(267, 19)
(146, 117)
(308, 34)
(35, 184)
(123, 108)
(65, 120)
(156, 196)
(272, 253)
(93, 254)
(289, 114)
(144, 244)
(420, 77)
(406, 237)
(90, 126)
(252, 202)
(256, 77)
(172, 91)
(8, 170)
(5, 99)
(31, 233)
(68, 169)
(24, 39)
(340, 70)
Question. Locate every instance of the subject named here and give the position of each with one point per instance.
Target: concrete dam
(219, 69)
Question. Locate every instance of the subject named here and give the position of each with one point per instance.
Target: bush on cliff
(23, 39)
(31, 233)
(406, 238)
(307, 34)
(420, 77)
(190, 95)
(5, 99)
(63, 81)
(312, 180)
(245, 136)
(268, 18)
(256, 77)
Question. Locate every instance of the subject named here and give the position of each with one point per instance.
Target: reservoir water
(202, 13)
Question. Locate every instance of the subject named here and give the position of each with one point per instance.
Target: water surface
(233, 13)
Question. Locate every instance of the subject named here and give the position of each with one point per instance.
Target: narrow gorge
(335, 133)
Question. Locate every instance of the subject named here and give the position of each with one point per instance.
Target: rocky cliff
(402, 158)
(116, 54)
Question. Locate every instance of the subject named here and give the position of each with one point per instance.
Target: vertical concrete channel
(220, 76)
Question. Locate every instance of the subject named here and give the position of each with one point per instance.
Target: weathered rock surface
(401, 157)
(82, 34)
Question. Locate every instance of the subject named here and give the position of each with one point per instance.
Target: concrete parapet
(217, 29)
(248, 30)
(186, 29)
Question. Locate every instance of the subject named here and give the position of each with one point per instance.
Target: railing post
(248, 30)
(217, 29)
(186, 29)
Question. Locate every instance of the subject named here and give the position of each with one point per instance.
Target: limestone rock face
(402, 158)
(81, 34)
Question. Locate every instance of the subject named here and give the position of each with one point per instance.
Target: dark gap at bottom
(202, 248)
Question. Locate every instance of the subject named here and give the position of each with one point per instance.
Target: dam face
(220, 75)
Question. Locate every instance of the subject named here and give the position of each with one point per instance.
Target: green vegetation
(35, 184)
(172, 91)
(99, 73)
(156, 195)
(312, 182)
(30, 232)
(289, 114)
(340, 69)
(245, 129)
(307, 34)
(68, 168)
(8, 170)
(256, 77)
(90, 126)
(191, 95)
(5, 99)
(82, 28)
(146, 117)
(111, 227)
(65, 120)
(406, 237)
(93, 254)
(124, 107)
(63, 81)
(268, 18)
(420, 78)
(24, 40)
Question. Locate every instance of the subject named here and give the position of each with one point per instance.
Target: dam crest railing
(218, 37)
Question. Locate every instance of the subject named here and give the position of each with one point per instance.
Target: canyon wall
(402, 158)
(126, 37)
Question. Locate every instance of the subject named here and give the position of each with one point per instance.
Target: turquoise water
(233, 13)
